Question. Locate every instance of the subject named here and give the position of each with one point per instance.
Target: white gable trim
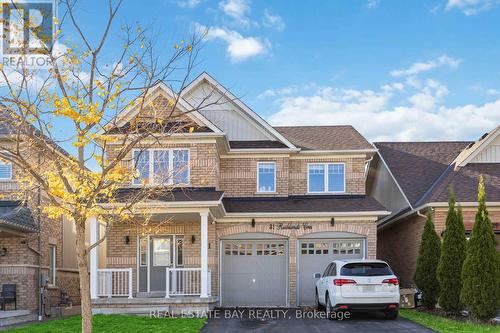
(161, 89)
(477, 148)
(248, 113)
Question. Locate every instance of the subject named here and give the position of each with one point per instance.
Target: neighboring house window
(5, 170)
(162, 166)
(266, 178)
(52, 265)
(326, 177)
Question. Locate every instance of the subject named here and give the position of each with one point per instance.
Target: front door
(164, 251)
(160, 257)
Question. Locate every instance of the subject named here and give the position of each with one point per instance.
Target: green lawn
(117, 323)
(445, 325)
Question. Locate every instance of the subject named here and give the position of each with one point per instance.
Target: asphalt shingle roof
(418, 165)
(342, 137)
(15, 215)
(303, 204)
(464, 182)
(170, 195)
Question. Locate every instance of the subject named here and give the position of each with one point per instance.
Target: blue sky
(396, 70)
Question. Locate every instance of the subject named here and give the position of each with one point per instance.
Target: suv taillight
(341, 282)
(391, 281)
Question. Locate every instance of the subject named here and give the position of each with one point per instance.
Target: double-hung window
(161, 166)
(5, 170)
(266, 177)
(326, 177)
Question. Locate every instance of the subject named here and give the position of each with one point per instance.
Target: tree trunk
(83, 272)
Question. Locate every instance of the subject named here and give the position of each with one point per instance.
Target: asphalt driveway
(288, 321)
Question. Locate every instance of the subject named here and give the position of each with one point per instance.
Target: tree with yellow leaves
(77, 100)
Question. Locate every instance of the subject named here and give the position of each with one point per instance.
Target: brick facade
(399, 243)
(28, 253)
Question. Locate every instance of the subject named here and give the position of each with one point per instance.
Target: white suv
(358, 285)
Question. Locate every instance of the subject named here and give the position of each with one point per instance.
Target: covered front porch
(164, 263)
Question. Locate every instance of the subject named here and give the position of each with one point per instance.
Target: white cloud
(487, 91)
(237, 9)
(471, 7)
(188, 3)
(371, 4)
(239, 48)
(383, 114)
(286, 91)
(420, 67)
(273, 21)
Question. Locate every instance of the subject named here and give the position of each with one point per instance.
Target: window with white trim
(5, 170)
(326, 177)
(266, 177)
(161, 166)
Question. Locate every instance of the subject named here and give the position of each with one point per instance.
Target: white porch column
(204, 254)
(94, 233)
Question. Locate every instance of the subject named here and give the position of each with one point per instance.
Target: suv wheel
(317, 303)
(391, 315)
(329, 308)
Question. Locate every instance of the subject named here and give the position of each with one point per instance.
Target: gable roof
(416, 166)
(339, 137)
(242, 107)
(161, 89)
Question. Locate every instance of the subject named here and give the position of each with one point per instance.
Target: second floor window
(326, 178)
(266, 177)
(162, 166)
(5, 170)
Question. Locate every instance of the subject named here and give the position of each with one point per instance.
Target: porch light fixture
(3, 252)
(253, 223)
(127, 240)
(193, 239)
(332, 222)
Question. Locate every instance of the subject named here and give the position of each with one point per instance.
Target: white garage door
(253, 273)
(315, 255)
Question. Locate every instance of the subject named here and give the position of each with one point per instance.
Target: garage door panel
(315, 255)
(253, 273)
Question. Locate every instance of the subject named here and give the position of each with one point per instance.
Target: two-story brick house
(258, 214)
(33, 248)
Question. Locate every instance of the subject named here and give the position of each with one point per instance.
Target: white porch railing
(114, 282)
(185, 282)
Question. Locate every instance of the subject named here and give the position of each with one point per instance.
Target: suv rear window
(365, 269)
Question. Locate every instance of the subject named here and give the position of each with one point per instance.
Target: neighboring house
(32, 246)
(411, 178)
(258, 213)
